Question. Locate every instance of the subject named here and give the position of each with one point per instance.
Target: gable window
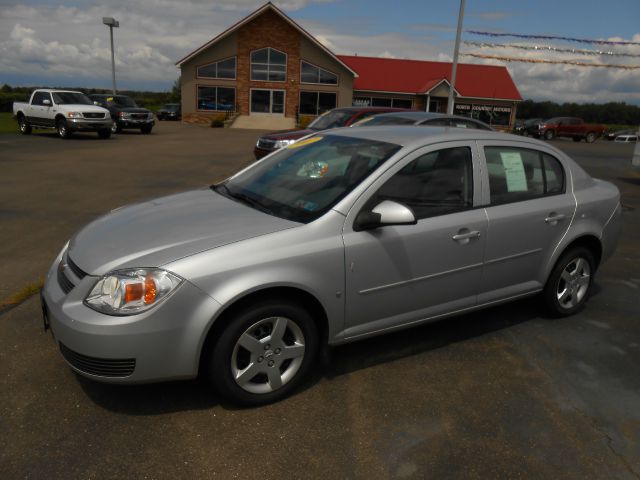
(269, 64)
(222, 69)
(216, 99)
(316, 103)
(309, 73)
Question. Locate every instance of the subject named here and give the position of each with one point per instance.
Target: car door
(41, 114)
(529, 209)
(396, 275)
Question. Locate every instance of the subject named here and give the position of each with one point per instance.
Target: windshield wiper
(243, 197)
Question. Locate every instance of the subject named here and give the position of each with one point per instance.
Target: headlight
(123, 114)
(127, 292)
(74, 115)
(283, 143)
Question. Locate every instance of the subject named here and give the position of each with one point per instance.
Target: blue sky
(62, 42)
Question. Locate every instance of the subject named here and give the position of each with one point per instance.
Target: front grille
(75, 269)
(92, 115)
(103, 367)
(65, 284)
(266, 143)
(139, 116)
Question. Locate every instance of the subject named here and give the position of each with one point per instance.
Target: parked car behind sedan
(611, 135)
(347, 234)
(125, 113)
(523, 127)
(170, 111)
(626, 138)
(338, 117)
(427, 119)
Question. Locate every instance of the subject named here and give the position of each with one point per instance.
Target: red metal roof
(418, 76)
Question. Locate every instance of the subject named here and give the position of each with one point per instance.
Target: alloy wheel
(573, 283)
(267, 355)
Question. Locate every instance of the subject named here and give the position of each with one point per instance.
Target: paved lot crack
(586, 417)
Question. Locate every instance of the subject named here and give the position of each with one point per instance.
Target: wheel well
(289, 294)
(58, 117)
(19, 115)
(592, 243)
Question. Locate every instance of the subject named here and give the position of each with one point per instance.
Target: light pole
(454, 67)
(111, 23)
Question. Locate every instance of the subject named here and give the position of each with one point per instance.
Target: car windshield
(170, 108)
(332, 119)
(71, 98)
(124, 102)
(306, 179)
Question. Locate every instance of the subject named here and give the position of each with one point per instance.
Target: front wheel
(25, 128)
(591, 137)
(264, 353)
(549, 135)
(146, 129)
(63, 130)
(568, 286)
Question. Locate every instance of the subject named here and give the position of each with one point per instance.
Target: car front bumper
(85, 124)
(135, 123)
(163, 343)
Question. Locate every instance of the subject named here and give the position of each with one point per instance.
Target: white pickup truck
(63, 110)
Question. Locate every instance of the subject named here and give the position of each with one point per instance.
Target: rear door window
(518, 174)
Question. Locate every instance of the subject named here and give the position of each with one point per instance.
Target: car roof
(418, 116)
(418, 135)
(369, 109)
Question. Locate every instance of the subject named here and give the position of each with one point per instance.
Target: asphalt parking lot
(501, 393)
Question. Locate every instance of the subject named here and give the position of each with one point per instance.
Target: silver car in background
(343, 235)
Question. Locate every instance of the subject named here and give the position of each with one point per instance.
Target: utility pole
(112, 23)
(454, 67)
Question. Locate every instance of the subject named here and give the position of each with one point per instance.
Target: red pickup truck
(572, 127)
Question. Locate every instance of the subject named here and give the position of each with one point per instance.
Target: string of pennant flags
(551, 37)
(553, 49)
(557, 62)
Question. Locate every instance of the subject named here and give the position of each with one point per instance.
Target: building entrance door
(267, 101)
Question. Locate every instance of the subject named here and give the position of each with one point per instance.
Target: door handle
(461, 235)
(554, 218)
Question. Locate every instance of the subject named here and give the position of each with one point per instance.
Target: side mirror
(387, 212)
(46, 102)
(96, 103)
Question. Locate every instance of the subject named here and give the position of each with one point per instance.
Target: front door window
(267, 101)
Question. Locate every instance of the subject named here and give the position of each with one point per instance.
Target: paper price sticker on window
(514, 171)
(308, 141)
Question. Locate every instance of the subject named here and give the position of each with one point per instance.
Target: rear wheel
(62, 128)
(24, 126)
(591, 137)
(568, 286)
(549, 135)
(104, 133)
(264, 353)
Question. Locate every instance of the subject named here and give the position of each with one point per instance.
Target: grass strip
(20, 296)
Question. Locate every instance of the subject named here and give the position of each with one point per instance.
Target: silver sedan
(343, 235)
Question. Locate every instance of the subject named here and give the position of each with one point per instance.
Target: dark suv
(125, 113)
(169, 111)
(338, 117)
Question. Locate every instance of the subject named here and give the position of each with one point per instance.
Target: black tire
(549, 135)
(252, 322)
(591, 137)
(104, 133)
(562, 283)
(23, 125)
(576, 139)
(146, 129)
(62, 128)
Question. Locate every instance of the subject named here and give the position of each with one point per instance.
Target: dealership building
(268, 67)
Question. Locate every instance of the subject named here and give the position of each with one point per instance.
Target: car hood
(79, 107)
(133, 110)
(288, 134)
(162, 230)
